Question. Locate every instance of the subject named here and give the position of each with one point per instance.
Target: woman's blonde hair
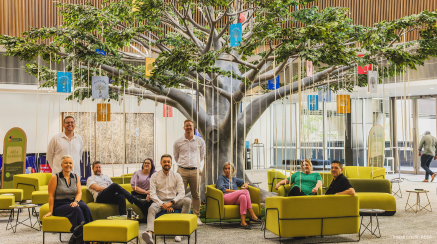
(65, 157)
(306, 161)
(232, 166)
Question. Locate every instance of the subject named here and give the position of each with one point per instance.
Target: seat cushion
(104, 210)
(6, 201)
(175, 224)
(18, 193)
(382, 201)
(55, 224)
(233, 211)
(110, 230)
(40, 197)
(44, 188)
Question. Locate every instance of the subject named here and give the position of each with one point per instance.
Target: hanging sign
(324, 94)
(241, 106)
(362, 70)
(272, 85)
(103, 112)
(14, 156)
(168, 111)
(372, 81)
(375, 154)
(149, 66)
(242, 18)
(101, 52)
(197, 133)
(236, 34)
(100, 87)
(63, 82)
(313, 102)
(309, 68)
(343, 104)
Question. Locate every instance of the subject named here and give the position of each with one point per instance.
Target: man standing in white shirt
(167, 192)
(188, 157)
(65, 143)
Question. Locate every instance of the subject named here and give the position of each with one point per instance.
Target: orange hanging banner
(168, 111)
(343, 104)
(149, 66)
(103, 112)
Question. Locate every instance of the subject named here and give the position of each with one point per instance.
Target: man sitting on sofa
(105, 191)
(340, 184)
(168, 193)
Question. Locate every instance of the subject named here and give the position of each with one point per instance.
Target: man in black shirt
(340, 184)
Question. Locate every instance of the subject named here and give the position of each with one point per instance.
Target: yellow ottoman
(105, 230)
(40, 197)
(6, 201)
(18, 193)
(176, 224)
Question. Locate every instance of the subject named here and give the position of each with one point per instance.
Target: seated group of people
(308, 182)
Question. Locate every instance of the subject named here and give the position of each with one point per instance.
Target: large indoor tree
(191, 41)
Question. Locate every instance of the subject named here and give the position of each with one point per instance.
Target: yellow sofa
(216, 208)
(274, 176)
(375, 194)
(31, 182)
(284, 189)
(119, 179)
(302, 216)
(355, 172)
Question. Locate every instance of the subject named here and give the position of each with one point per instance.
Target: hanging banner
(375, 154)
(197, 133)
(103, 112)
(313, 102)
(101, 52)
(100, 87)
(236, 34)
(372, 81)
(362, 70)
(14, 156)
(168, 111)
(63, 83)
(242, 17)
(324, 94)
(149, 66)
(343, 104)
(309, 68)
(272, 85)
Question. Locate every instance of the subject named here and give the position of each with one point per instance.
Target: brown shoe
(425, 181)
(432, 177)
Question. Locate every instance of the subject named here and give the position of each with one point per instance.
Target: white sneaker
(199, 222)
(147, 237)
(178, 239)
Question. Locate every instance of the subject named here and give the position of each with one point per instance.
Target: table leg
(418, 202)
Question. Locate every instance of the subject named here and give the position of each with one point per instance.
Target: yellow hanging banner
(343, 104)
(103, 112)
(149, 66)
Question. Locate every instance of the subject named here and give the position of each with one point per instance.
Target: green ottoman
(104, 230)
(176, 224)
(40, 197)
(18, 193)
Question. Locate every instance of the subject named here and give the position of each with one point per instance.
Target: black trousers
(116, 194)
(145, 207)
(295, 191)
(76, 215)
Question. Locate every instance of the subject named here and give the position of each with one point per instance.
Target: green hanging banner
(14, 156)
(375, 154)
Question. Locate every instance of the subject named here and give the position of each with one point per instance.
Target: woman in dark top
(65, 193)
(232, 196)
(140, 183)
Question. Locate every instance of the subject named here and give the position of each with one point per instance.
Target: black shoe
(258, 220)
(140, 201)
(246, 227)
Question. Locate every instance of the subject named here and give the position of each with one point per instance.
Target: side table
(19, 208)
(417, 204)
(398, 192)
(371, 212)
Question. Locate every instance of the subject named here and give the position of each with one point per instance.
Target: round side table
(417, 204)
(371, 212)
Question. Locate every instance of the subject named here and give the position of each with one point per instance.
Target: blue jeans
(425, 161)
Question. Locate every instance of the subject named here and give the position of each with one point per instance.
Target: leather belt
(191, 168)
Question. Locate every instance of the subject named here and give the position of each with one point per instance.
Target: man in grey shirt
(429, 144)
(168, 193)
(105, 191)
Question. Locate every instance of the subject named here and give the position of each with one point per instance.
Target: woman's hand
(314, 191)
(277, 186)
(48, 214)
(74, 204)
(245, 186)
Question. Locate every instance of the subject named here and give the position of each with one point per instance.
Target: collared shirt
(338, 185)
(164, 188)
(185, 151)
(429, 144)
(101, 180)
(223, 183)
(60, 145)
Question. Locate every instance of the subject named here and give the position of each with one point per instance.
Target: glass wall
(427, 122)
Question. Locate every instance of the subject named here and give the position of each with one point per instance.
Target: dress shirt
(101, 180)
(164, 188)
(185, 151)
(60, 145)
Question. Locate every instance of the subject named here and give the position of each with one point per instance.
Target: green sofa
(119, 179)
(274, 176)
(358, 172)
(375, 194)
(312, 215)
(31, 182)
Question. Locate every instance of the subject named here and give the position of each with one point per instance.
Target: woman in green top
(305, 182)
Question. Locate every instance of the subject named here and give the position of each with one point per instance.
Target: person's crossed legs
(116, 194)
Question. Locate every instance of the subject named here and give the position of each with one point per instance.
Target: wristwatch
(172, 202)
(76, 201)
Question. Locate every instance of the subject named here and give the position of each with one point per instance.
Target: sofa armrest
(215, 203)
(255, 196)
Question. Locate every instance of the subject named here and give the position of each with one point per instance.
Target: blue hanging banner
(101, 52)
(247, 144)
(313, 102)
(236, 34)
(100, 87)
(324, 94)
(197, 134)
(63, 82)
(241, 106)
(272, 85)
